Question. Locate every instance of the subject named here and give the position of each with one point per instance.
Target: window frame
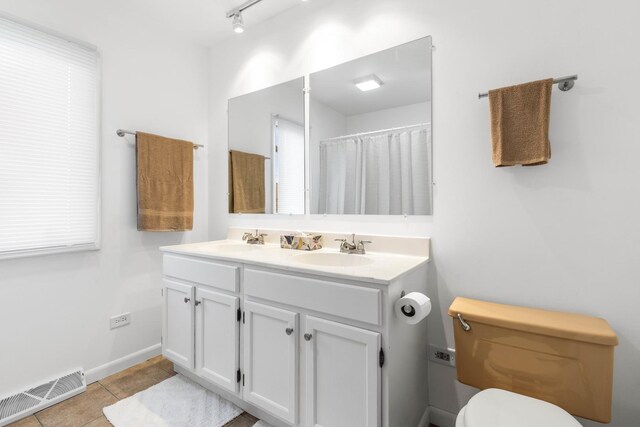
(96, 245)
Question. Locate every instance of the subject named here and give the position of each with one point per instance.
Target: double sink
(312, 258)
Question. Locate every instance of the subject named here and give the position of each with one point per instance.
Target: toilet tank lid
(558, 324)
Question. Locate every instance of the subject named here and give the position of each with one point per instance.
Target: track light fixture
(236, 14)
(238, 25)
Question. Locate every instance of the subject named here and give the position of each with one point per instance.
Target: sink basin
(333, 260)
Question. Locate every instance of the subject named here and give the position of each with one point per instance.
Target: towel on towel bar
(246, 182)
(520, 124)
(164, 183)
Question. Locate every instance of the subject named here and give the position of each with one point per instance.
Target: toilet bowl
(499, 408)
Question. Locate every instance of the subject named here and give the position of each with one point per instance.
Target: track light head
(238, 24)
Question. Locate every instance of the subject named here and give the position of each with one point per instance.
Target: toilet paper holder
(412, 307)
(407, 310)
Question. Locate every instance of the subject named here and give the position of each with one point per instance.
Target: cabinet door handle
(289, 331)
(187, 299)
(198, 303)
(307, 337)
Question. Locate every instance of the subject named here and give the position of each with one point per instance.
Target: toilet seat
(500, 408)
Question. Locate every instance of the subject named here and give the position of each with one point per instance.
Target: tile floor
(85, 410)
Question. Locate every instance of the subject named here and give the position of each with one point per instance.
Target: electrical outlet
(120, 320)
(443, 356)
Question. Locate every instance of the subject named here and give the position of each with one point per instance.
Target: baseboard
(115, 366)
(442, 418)
(426, 419)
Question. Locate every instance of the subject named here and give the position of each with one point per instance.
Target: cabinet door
(271, 360)
(342, 375)
(217, 338)
(178, 324)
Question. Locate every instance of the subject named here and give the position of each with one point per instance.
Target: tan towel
(164, 183)
(520, 124)
(247, 179)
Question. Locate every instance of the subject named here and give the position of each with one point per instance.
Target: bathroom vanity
(299, 338)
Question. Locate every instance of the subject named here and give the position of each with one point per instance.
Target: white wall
(561, 236)
(390, 118)
(54, 310)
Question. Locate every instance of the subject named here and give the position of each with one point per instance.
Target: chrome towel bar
(564, 84)
(122, 132)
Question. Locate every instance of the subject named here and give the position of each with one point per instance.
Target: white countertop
(383, 267)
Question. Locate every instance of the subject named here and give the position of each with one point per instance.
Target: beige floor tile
(135, 379)
(79, 410)
(162, 363)
(31, 421)
(158, 361)
(250, 417)
(100, 422)
(244, 420)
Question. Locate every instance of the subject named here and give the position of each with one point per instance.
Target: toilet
(534, 367)
(499, 408)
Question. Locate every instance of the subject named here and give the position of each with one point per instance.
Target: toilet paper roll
(413, 307)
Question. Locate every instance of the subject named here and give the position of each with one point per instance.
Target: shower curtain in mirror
(377, 174)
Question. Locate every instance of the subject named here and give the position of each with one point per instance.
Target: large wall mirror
(267, 151)
(370, 148)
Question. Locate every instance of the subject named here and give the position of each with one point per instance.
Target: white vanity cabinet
(271, 359)
(342, 375)
(178, 323)
(295, 347)
(201, 319)
(217, 332)
(341, 371)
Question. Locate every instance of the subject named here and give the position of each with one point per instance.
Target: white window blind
(289, 158)
(48, 142)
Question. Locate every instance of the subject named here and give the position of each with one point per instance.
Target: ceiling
(405, 71)
(204, 21)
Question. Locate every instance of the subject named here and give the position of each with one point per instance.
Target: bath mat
(261, 424)
(175, 402)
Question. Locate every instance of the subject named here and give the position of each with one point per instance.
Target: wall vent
(25, 403)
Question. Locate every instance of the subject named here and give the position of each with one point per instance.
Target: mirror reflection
(370, 137)
(266, 151)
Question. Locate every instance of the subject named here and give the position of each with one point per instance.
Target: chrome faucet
(352, 247)
(257, 239)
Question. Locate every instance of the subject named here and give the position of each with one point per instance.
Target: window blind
(49, 165)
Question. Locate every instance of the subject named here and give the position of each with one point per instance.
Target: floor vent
(20, 405)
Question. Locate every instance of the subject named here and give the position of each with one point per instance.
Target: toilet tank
(562, 358)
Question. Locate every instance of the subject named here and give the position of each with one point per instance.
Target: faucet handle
(360, 246)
